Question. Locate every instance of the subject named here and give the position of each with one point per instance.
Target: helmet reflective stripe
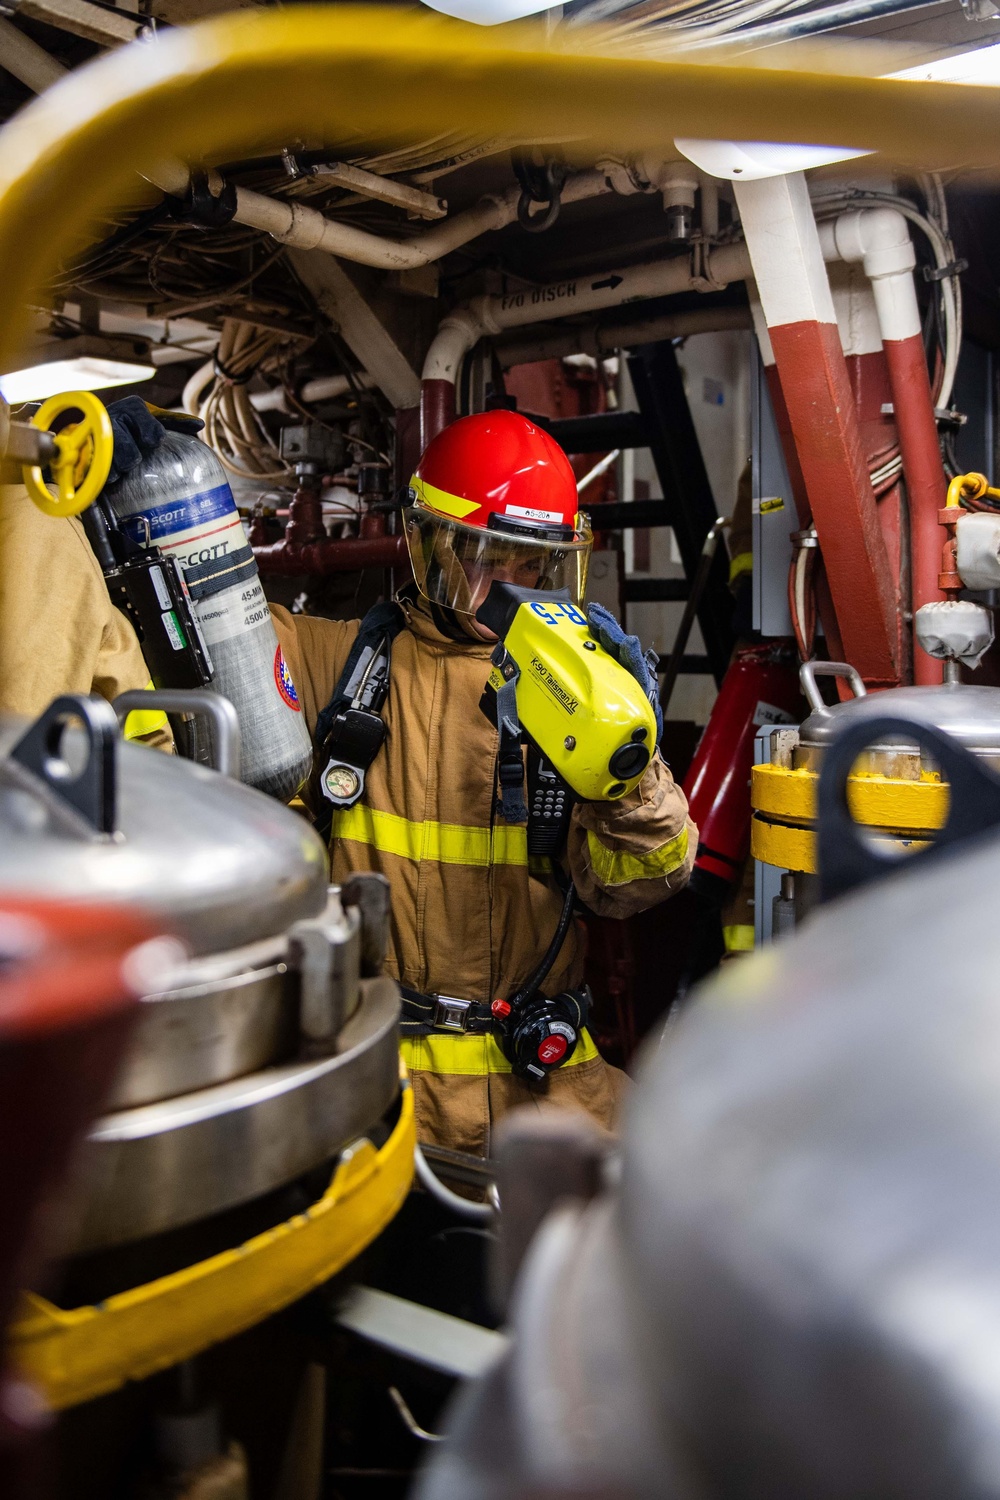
(440, 500)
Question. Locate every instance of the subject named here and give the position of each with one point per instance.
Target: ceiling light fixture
(488, 12)
(980, 66)
(83, 362)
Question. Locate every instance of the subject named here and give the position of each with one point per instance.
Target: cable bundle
(218, 394)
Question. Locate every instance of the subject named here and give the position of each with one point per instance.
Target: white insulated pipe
(305, 228)
(26, 60)
(609, 337)
(879, 238)
(323, 388)
(461, 330)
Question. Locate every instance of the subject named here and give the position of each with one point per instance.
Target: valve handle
(83, 455)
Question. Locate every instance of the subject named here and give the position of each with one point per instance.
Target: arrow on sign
(609, 281)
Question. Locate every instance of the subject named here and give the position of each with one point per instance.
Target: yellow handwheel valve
(82, 459)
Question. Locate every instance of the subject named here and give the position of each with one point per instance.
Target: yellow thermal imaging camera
(587, 715)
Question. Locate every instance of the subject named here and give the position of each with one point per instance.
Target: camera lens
(628, 761)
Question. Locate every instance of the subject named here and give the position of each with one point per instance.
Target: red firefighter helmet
(494, 497)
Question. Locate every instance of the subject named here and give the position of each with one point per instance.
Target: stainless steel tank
(897, 789)
(969, 715)
(260, 1053)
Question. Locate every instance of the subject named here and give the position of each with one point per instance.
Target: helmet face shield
(455, 564)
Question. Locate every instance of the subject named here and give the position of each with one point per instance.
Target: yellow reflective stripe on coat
(740, 564)
(738, 938)
(615, 867)
(473, 1056)
(447, 843)
(140, 722)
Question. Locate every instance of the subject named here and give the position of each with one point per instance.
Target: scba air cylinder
(179, 500)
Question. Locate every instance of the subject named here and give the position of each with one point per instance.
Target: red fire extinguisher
(761, 687)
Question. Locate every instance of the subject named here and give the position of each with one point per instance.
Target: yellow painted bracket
(790, 848)
(86, 1352)
(877, 801)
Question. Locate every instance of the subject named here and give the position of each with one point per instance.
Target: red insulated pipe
(348, 555)
(926, 488)
(437, 409)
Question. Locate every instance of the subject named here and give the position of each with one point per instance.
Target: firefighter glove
(139, 430)
(137, 435)
(627, 651)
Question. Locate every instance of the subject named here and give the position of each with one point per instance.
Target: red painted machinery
(760, 687)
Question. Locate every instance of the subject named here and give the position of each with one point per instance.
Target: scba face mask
(494, 499)
(455, 564)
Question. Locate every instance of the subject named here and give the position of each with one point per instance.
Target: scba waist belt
(425, 1014)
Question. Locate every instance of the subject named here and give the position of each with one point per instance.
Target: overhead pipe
(460, 330)
(305, 228)
(879, 239)
(29, 63)
(600, 339)
(329, 555)
(323, 388)
(64, 165)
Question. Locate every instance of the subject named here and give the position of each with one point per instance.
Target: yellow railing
(247, 81)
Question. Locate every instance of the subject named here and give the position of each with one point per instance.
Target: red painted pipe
(305, 516)
(926, 489)
(820, 403)
(347, 555)
(761, 686)
(437, 408)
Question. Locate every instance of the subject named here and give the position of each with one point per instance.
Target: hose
(551, 953)
(476, 1213)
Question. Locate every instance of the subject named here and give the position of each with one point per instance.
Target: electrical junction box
(313, 444)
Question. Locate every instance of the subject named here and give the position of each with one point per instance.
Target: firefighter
(493, 497)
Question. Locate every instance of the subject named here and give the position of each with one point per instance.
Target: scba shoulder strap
(351, 731)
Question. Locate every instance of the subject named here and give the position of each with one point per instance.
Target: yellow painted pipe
(257, 80)
(969, 487)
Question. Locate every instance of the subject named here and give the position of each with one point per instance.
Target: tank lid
(85, 814)
(969, 714)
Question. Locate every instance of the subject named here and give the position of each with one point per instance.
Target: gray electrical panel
(767, 879)
(774, 515)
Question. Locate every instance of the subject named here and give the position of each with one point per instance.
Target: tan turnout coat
(470, 917)
(59, 631)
